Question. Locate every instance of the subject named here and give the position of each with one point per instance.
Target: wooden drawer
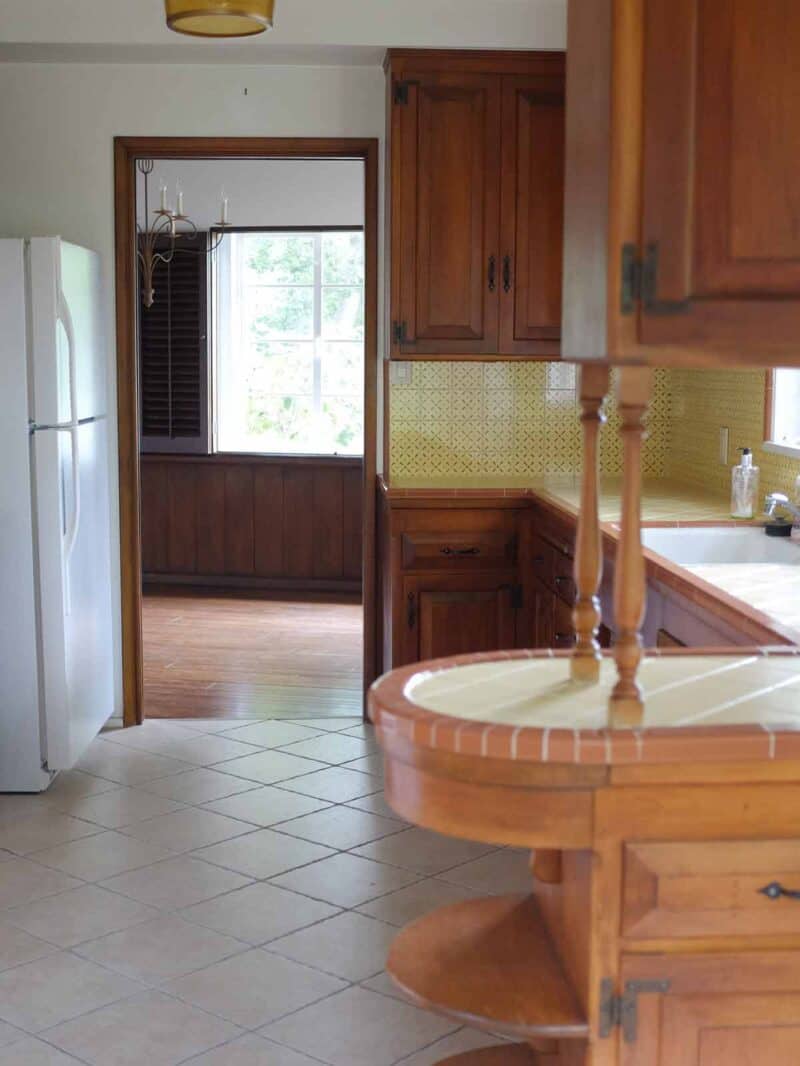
(671, 891)
(458, 550)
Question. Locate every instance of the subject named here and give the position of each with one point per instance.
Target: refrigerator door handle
(65, 317)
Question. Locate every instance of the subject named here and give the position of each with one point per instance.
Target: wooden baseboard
(289, 584)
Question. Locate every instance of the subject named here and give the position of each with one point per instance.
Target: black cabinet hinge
(639, 284)
(400, 91)
(399, 333)
(623, 1011)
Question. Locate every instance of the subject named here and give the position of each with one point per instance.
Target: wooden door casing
(718, 1011)
(453, 614)
(449, 210)
(532, 215)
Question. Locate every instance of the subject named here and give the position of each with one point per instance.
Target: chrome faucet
(779, 499)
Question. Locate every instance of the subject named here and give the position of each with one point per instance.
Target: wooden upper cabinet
(475, 203)
(682, 201)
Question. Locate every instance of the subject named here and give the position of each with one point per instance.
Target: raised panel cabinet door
(532, 215)
(715, 1011)
(454, 616)
(446, 203)
(721, 155)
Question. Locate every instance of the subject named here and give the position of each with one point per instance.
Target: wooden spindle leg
(588, 546)
(627, 706)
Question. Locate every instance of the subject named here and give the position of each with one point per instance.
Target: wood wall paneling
(210, 519)
(268, 512)
(239, 534)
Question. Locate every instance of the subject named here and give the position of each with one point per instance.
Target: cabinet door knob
(506, 273)
(492, 273)
(775, 890)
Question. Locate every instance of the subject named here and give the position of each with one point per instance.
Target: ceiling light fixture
(220, 18)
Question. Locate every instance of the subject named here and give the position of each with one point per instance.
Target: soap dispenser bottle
(744, 486)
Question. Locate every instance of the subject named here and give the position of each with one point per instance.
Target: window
(782, 421)
(290, 342)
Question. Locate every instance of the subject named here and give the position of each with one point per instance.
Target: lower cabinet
(712, 1010)
(453, 615)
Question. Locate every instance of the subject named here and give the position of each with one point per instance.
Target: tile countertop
(664, 501)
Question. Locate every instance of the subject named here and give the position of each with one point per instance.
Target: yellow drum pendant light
(220, 18)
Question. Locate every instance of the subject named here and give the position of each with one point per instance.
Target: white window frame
(776, 441)
(222, 296)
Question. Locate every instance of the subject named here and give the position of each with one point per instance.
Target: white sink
(722, 545)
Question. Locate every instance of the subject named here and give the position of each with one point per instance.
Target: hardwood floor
(212, 654)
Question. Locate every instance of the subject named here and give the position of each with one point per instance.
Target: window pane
(342, 258)
(343, 313)
(284, 368)
(342, 368)
(279, 422)
(278, 259)
(279, 313)
(343, 423)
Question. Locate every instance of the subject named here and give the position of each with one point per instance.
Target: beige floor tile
(119, 807)
(406, 905)
(23, 881)
(74, 784)
(102, 855)
(359, 1028)
(205, 750)
(370, 763)
(350, 946)
(268, 767)
(254, 988)
(80, 914)
(9, 1034)
(423, 851)
(463, 1040)
(198, 786)
(33, 1052)
(266, 805)
(501, 872)
(149, 1028)
(329, 724)
(176, 883)
(43, 830)
(345, 880)
(252, 1050)
(340, 827)
(376, 804)
(333, 748)
(113, 762)
(215, 725)
(263, 853)
(51, 990)
(15, 806)
(160, 950)
(259, 913)
(335, 784)
(188, 829)
(364, 732)
(272, 734)
(17, 946)
(383, 983)
(156, 734)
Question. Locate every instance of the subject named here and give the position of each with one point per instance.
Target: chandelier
(157, 243)
(220, 18)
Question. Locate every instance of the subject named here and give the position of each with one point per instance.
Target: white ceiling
(306, 31)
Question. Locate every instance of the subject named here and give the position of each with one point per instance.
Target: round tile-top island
(661, 835)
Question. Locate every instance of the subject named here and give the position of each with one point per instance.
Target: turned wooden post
(627, 706)
(588, 545)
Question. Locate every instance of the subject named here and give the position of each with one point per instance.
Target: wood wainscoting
(252, 521)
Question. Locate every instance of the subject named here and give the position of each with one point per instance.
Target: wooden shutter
(173, 355)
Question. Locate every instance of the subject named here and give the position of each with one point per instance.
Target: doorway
(264, 605)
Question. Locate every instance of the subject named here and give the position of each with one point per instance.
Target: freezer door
(73, 543)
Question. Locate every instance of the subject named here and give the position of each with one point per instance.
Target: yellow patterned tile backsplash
(473, 419)
(504, 418)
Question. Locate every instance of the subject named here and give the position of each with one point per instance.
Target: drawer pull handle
(561, 578)
(460, 551)
(538, 560)
(507, 273)
(775, 890)
(569, 638)
(492, 273)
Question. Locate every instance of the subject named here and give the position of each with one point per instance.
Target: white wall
(262, 192)
(57, 123)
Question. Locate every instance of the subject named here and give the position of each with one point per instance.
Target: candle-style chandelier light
(171, 229)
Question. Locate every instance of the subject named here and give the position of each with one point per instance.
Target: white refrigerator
(56, 645)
